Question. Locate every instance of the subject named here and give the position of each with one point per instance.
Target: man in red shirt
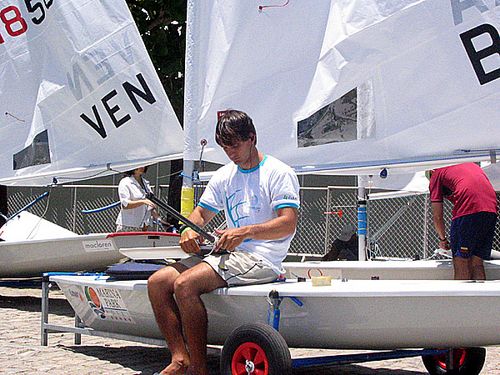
(473, 220)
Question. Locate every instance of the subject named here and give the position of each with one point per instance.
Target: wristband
(183, 229)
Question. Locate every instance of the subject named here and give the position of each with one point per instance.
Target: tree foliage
(162, 25)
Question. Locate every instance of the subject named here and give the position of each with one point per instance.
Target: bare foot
(176, 367)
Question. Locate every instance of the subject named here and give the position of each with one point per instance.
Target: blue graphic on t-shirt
(232, 209)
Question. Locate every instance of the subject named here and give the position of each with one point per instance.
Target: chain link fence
(398, 227)
(402, 227)
(64, 206)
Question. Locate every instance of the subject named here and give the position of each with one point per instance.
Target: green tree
(162, 25)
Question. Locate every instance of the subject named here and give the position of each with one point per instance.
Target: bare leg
(462, 268)
(160, 291)
(477, 268)
(188, 288)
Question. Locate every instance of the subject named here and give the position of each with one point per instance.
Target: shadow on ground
(144, 360)
(147, 360)
(57, 306)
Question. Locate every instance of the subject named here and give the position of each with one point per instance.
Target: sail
(348, 86)
(80, 96)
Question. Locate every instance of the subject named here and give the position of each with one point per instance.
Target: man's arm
(437, 213)
(190, 240)
(279, 227)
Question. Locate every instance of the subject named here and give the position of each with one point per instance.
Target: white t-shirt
(130, 190)
(253, 196)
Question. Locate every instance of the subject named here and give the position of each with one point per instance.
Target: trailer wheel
(466, 361)
(255, 349)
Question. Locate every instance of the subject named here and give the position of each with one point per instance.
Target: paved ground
(21, 353)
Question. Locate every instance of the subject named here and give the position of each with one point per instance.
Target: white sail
(79, 94)
(423, 74)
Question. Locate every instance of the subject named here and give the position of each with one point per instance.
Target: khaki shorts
(236, 268)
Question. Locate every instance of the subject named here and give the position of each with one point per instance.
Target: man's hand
(190, 241)
(231, 238)
(444, 244)
(274, 229)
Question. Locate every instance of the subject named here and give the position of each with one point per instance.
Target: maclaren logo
(94, 302)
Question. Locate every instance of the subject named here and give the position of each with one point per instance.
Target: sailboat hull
(358, 314)
(78, 253)
(32, 245)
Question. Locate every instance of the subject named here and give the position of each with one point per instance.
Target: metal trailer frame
(79, 328)
(274, 300)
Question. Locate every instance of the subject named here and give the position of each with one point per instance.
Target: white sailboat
(283, 69)
(353, 314)
(33, 245)
(77, 88)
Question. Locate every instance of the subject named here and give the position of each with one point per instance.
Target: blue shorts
(473, 235)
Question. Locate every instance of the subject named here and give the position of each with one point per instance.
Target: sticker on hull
(99, 245)
(107, 304)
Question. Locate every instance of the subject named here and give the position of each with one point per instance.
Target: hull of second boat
(33, 258)
(91, 252)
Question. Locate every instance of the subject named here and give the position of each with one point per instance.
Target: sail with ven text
(79, 94)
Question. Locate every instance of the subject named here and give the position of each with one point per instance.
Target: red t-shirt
(466, 186)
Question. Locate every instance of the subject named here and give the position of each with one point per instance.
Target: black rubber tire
(472, 365)
(267, 338)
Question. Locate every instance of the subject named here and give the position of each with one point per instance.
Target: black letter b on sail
(476, 56)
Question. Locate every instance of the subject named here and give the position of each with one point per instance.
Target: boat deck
(339, 288)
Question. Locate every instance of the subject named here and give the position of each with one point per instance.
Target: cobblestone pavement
(21, 353)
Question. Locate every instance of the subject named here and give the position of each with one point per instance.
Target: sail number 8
(14, 22)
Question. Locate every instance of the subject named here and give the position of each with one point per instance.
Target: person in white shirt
(260, 198)
(136, 210)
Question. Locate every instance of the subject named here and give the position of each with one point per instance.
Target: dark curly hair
(131, 172)
(234, 126)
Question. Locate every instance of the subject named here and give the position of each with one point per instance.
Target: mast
(362, 217)
(187, 191)
(190, 106)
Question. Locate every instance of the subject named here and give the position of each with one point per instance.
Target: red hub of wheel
(249, 358)
(458, 359)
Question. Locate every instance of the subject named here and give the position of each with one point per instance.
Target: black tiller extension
(172, 211)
